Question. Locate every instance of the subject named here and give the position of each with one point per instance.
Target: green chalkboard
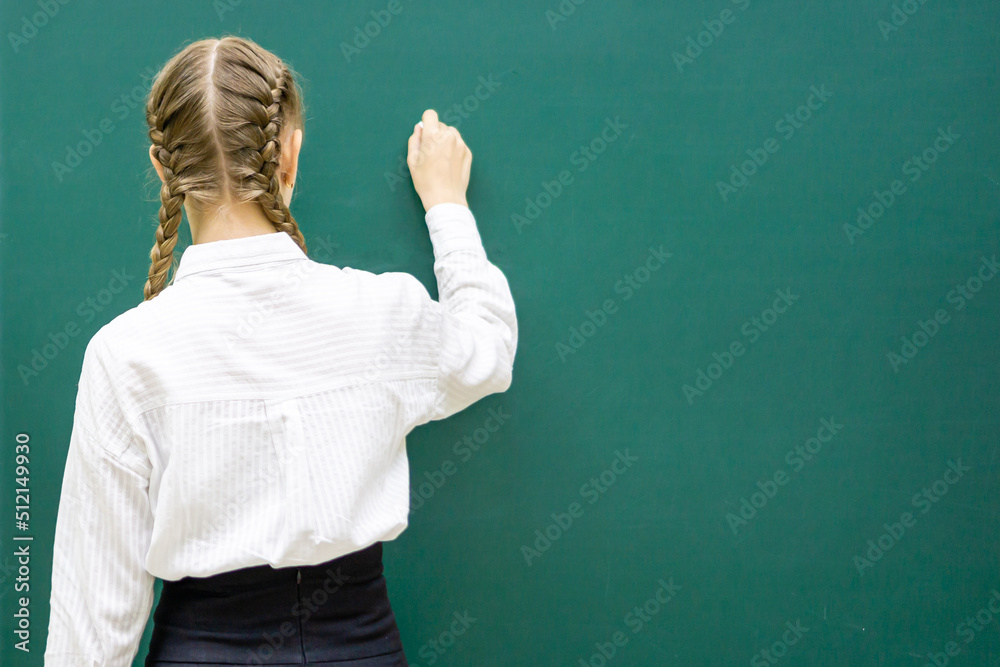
(753, 248)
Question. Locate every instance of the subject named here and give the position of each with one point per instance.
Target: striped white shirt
(255, 412)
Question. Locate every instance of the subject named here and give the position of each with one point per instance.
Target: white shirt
(255, 411)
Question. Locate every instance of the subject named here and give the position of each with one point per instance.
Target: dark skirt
(334, 613)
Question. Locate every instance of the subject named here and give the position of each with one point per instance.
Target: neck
(232, 221)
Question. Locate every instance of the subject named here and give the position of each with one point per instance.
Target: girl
(240, 434)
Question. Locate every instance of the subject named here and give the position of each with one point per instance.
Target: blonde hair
(215, 113)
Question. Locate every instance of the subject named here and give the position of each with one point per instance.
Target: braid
(171, 207)
(270, 122)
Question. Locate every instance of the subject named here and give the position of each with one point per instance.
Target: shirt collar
(243, 251)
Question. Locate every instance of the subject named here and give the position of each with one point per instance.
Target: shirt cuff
(452, 227)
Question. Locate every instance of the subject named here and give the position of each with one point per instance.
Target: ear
(156, 163)
(290, 155)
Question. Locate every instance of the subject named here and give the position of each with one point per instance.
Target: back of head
(217, 113)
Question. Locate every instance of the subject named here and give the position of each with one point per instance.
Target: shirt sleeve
(473, 324)
(101, 592)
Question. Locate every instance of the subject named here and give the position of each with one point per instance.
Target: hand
(439, 162)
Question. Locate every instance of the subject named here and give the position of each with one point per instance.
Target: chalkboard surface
(754, 252)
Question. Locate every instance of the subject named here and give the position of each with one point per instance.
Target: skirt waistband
(333, 611)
